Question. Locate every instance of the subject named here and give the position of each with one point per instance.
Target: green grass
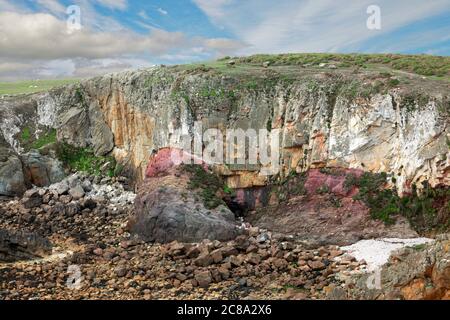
(425, 211)
(46, 139)
(28, 140)
(26, 134)
(32, 86)
(206, 185)
(83, 159)
(426, 65)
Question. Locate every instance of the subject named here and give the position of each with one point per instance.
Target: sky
(42, 39)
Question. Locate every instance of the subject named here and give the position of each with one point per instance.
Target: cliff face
(327, 119)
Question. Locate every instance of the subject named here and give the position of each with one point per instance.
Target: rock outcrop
(420, 272)
(12, 180)
(324, 120)
(16, 246)
(168, 207)
(41, 170)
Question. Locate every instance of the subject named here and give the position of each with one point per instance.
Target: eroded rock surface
(167, 208)
(15, 246)
(416, 272)
(137, 113)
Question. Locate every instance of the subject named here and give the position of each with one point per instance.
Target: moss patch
(206, 184)
(83, 159)
(48, 138)
(291, 186)
(29, 142)
(426, 211)
(25, 135)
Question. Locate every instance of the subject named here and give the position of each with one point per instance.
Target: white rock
(376, 252)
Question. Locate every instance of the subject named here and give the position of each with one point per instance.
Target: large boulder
(417, 272)
(16, 246)
(168, 207)
(12, 181)
(41, 170)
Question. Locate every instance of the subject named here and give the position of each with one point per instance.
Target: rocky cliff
(328, 118)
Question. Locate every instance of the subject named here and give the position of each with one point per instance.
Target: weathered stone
(254, 258)
(22, 246)
(203, 278)
(76, 192)
(316, 265)
(60, 187)
(32, 199)
(12, 181)
(166, 211)
(120, 271)
(216, 255)
(204, 260)
(41, 170)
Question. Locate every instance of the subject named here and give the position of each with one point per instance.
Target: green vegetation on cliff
(84, 159)
(29, 141)
(427, 210)
(32, 86)
(207, 185)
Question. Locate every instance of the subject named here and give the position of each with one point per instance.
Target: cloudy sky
(41, 39)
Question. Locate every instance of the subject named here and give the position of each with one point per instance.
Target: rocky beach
(96, 204)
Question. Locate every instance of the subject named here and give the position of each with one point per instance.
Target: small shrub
(46, 139)
(206, 184)
(84, 159)
(26, 134)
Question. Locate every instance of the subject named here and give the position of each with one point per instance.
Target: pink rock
(167, 158)
(334, 182)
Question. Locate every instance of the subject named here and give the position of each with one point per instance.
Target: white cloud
(53, 6)
(143, 15)
(41, 46)
(312, 25)
(114, 4)
(61, 68)
(162, 11)
(35, 37)
(11, 6)
(216, 9)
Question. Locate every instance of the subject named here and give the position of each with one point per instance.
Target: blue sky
(127, 34)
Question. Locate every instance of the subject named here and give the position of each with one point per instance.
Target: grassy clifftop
(32, 86)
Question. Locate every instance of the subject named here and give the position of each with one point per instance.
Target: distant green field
(32, 86)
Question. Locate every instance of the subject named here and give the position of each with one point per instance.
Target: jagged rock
(203, 278)
(32, 199)
(12, 181)
(72, 209)
(87, 185)
(166, 210)
(22, 246)
(41, 170)
(76, 192)
(101, 135)
(60, 188)
(204, 260)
